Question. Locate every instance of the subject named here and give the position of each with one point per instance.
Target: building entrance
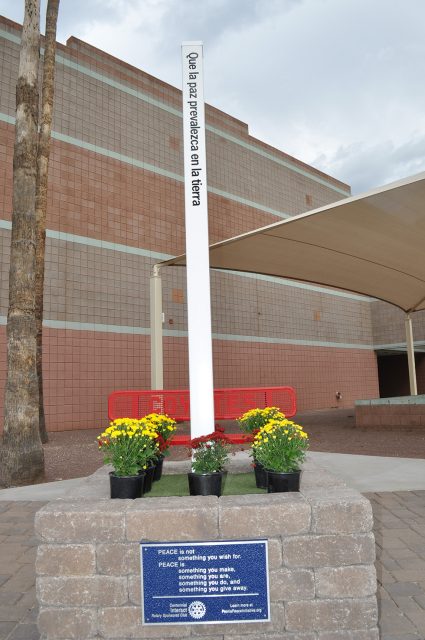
(393, 374)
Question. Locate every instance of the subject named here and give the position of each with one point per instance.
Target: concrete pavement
(374, 473)
(364, 473)
(39, 492)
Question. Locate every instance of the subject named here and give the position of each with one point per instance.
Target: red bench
(229, 404)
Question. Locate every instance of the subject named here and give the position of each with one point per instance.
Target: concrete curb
(363, 473)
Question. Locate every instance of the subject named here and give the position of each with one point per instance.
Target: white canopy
(372, 244)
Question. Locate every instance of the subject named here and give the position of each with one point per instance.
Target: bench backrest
(229, 404)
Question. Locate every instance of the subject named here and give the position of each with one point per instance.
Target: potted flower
(148, 439)
(164, 427)
(128, 446)
(280, 446)
(209, 455)
(251, 422)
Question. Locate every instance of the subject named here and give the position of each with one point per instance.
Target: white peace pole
(197, 261)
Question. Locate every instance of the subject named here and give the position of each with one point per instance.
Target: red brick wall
(83, 367)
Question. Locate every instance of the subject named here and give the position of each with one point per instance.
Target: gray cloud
(366, 165)
(334, 83)
(73, 14)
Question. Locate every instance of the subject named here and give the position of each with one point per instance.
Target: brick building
(115, 208)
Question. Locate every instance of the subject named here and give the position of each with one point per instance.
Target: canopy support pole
(157, 365)
(411, 355)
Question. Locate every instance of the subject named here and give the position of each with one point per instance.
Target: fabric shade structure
(372, 244)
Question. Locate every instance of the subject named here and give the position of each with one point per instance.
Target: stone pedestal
(321, 560)
(391, 413)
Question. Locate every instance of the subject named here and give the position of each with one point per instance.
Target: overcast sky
(336, 83)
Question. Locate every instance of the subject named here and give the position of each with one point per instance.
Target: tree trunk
(41, 191)
(21, 453)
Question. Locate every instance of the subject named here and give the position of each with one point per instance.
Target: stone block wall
(391, 413)
(321, 561)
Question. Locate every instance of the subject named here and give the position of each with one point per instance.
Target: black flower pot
(148, 473)
(280, 481)
(157, 474)
(261, 481)
(205, 484)
(126, 487)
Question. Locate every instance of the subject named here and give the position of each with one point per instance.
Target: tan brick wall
(266, 333)
(388, 324)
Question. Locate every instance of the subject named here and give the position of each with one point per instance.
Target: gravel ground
(73, 454)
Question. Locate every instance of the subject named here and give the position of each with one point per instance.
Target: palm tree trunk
(21, 452)
(41, 191)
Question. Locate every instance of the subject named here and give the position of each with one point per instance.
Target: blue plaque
(205, 582)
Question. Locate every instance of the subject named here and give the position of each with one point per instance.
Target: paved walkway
(400, 548)
(18, 545)
(400, 545)
(374, 473)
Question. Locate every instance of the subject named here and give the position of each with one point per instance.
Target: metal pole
(411, 355)
(157, 367)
